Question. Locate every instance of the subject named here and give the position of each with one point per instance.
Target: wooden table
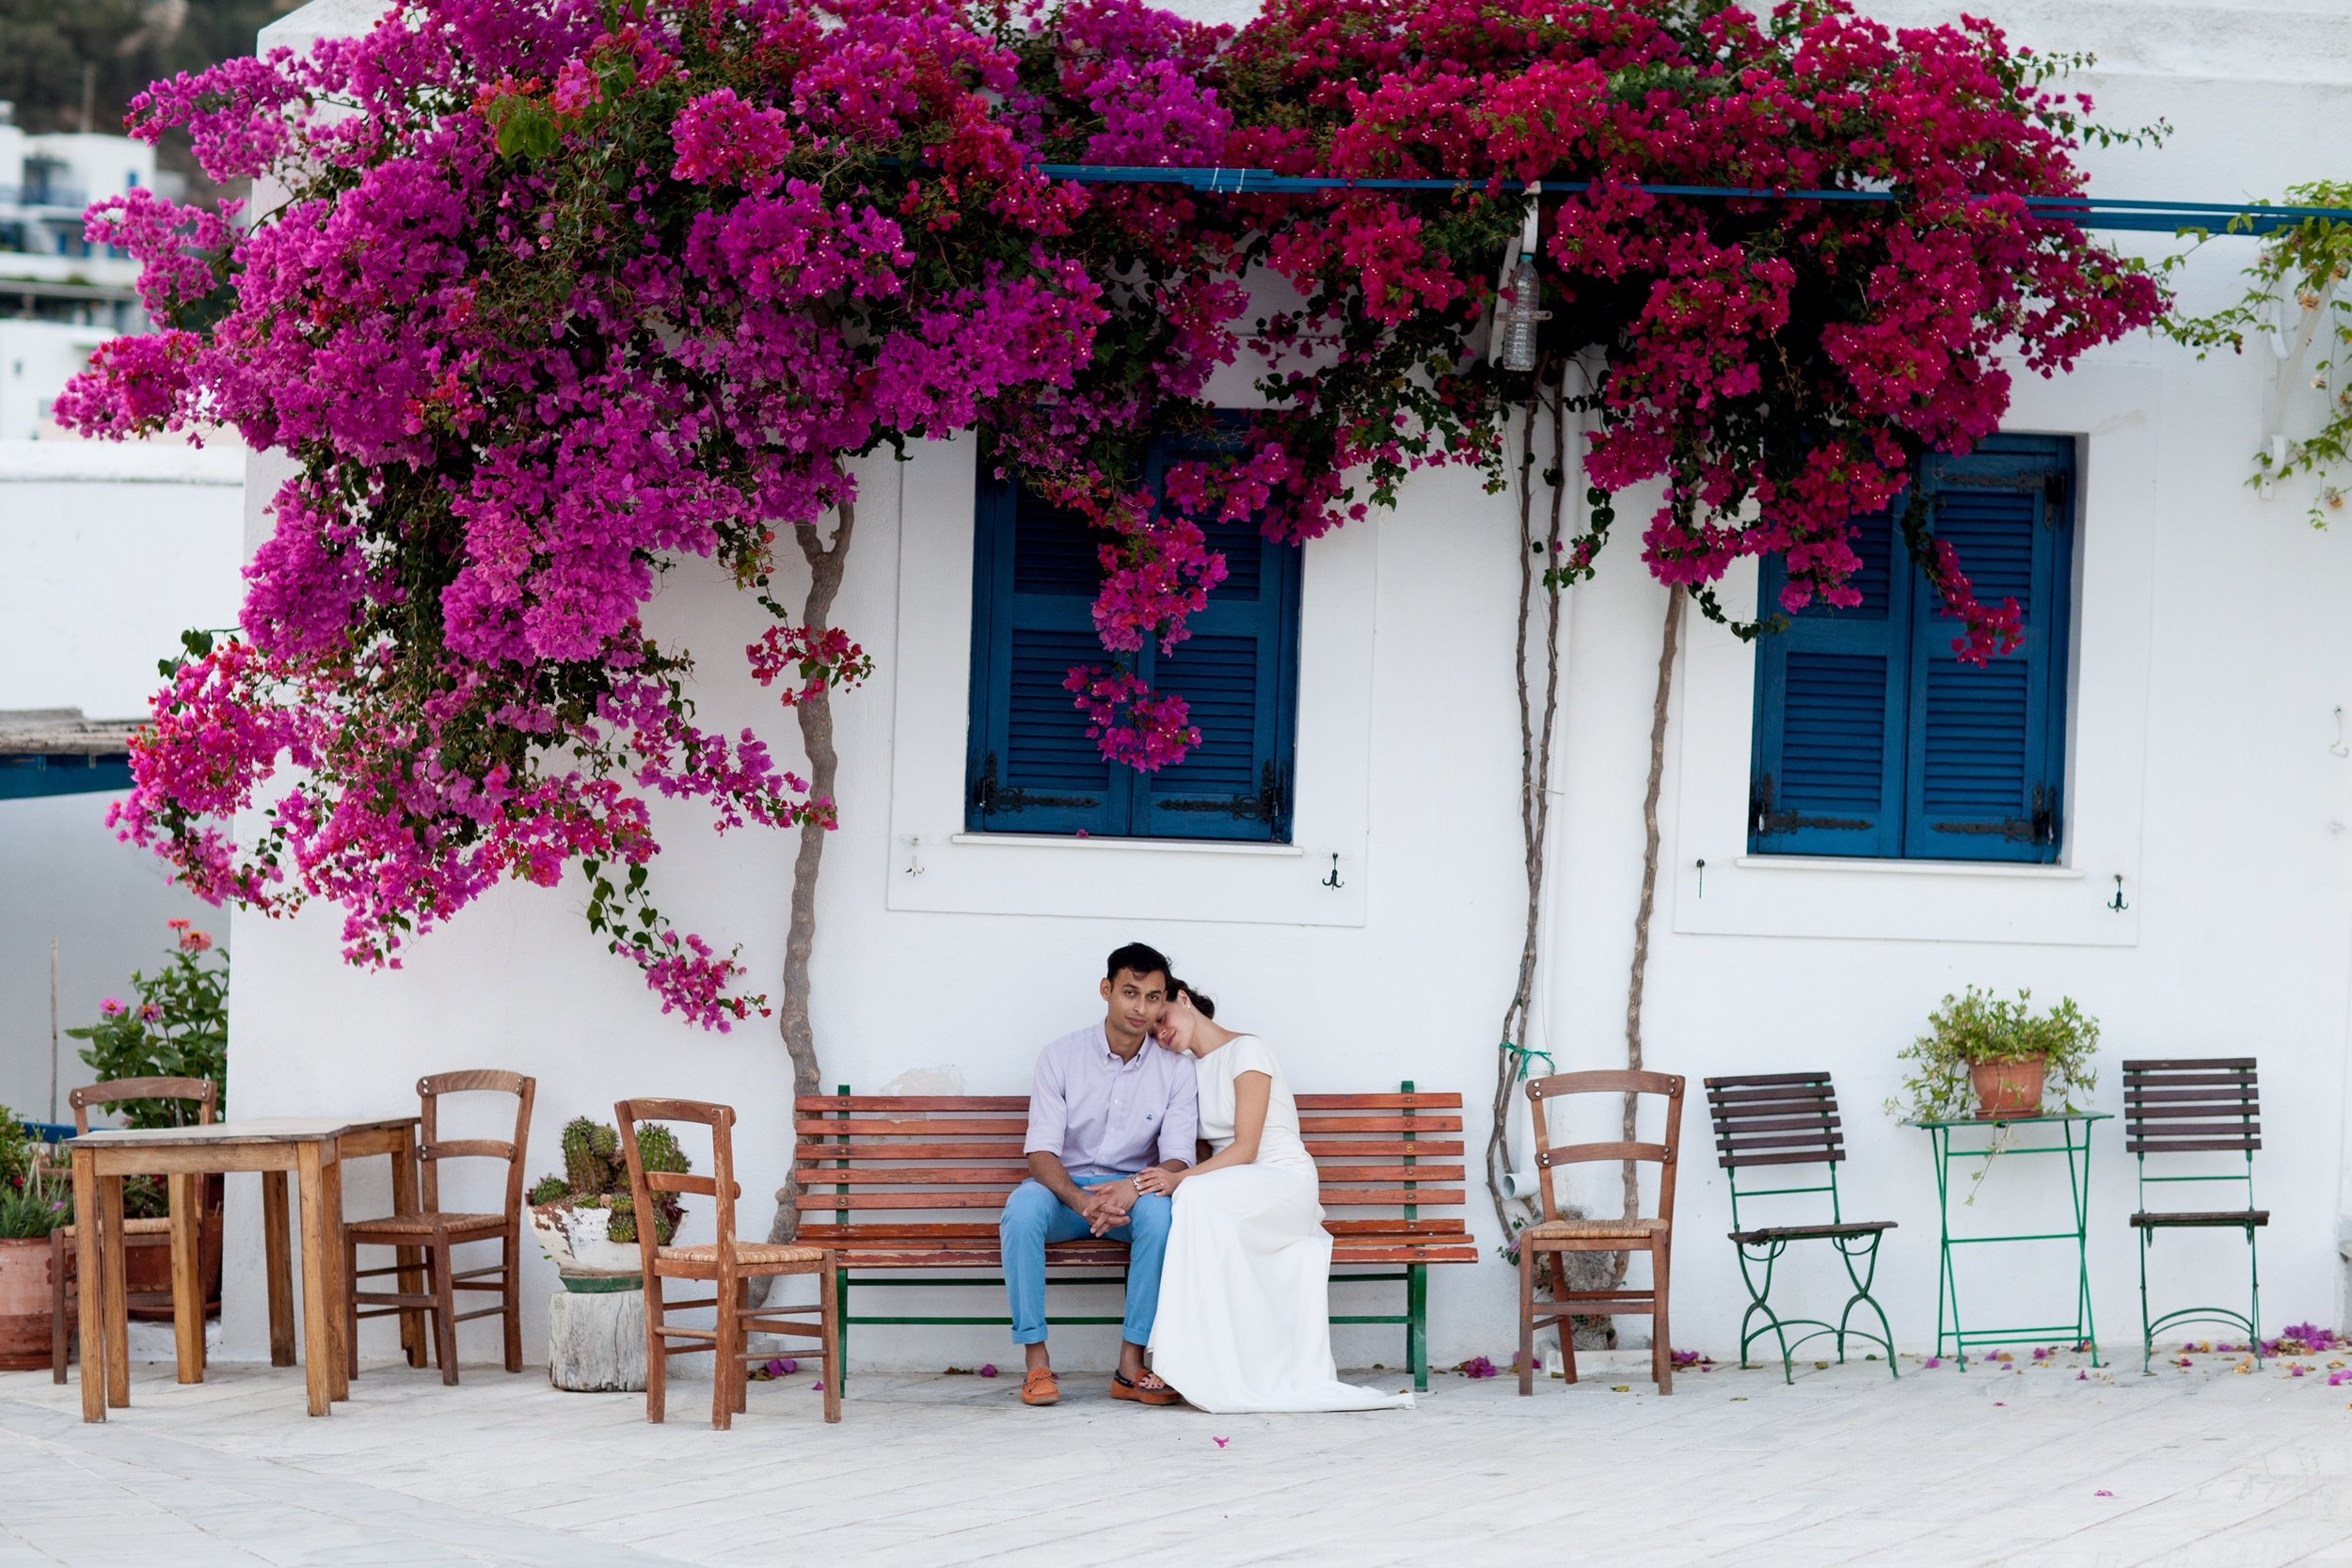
(310, 1150)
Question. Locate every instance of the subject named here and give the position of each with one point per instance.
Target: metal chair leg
(1862, 1282)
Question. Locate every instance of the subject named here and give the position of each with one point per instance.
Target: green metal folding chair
(2196, 1106)
(1791, 1118)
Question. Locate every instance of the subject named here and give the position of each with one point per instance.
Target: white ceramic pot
(579, 1241)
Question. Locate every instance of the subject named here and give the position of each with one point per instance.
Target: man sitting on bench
(1105, 1102)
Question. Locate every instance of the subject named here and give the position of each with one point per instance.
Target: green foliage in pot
(178, 1028)
(30, 1206)
(1979, 1027)
(595, 1176)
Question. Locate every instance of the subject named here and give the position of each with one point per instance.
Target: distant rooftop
(62, 732)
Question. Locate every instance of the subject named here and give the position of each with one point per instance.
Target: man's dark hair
(1138, 958)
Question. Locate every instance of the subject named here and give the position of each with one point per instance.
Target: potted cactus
(586, 1218)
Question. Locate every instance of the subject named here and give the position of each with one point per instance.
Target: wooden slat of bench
(817, 1151)
(841, 1202)
(1012, 1176)
(953, 1230)
(974, 1197)
(1357, 1197)
(895, 1104)
(1007, 1175)
(933, 1127)
(1361, 1148)
(1310, 1125)
(887, 1104)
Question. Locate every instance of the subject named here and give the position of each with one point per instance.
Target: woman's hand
(1155, 1179)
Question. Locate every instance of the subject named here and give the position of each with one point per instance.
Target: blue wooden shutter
(1987, 745)
(1827, 775)
(1032, 767)
(1239, 671)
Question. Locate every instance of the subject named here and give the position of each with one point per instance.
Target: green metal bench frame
(1791, 1118)
(2208, 1106)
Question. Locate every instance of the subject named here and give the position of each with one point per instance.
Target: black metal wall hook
(1332, 882)
(2117, 903)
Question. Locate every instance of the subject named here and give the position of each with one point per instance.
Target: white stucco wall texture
(106, 553)
(2211, 670)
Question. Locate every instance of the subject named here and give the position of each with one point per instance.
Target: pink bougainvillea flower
(562, 298)
(988, 1369)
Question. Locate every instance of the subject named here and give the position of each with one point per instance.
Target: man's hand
(1106, 1207)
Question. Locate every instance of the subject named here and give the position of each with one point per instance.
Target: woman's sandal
(1038, 1386)
(1156, 1392)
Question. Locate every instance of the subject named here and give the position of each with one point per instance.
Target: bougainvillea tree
(561, 294)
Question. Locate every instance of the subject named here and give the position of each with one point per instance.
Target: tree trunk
(1667, 641)
(825, 563)
(1537, 556)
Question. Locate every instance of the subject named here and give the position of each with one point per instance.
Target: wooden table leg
(331, 1227)
(187, 1277)
(318, 1338)
(116, 1289)
(280, 1262)
(92, 1286)
(406, 1200)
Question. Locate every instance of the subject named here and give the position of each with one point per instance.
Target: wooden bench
(895, 1164)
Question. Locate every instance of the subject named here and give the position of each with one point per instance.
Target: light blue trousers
(1034, 1216)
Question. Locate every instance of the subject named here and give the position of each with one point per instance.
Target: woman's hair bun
(1202, 1003)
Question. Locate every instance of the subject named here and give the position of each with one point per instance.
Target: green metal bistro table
(2076, 1150)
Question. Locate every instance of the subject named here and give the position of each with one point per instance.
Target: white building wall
(105, 553)
(36, 360)
(2211, 660)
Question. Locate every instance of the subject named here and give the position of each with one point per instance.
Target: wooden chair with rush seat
(429, 1282)
(137, 1234)
(727, 1264)
(1554, 1236)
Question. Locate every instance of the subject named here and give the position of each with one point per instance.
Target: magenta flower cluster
(563, 297)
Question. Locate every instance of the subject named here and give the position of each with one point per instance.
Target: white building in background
(61, 296)
(2174, 850)
(107, 553)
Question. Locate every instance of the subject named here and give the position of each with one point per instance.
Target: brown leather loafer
(1039, 1386)
(1123, 1390)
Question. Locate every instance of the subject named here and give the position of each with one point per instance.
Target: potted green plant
(31, 1206)
(177, 1027)
(1990, 1057)
(586, 1219)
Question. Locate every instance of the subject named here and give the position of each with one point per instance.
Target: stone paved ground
(2035, 1467)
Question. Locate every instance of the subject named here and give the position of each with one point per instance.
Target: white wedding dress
(1244, 1321)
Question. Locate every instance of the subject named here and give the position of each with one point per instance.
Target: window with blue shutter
(1872, 738)
(1032, 768)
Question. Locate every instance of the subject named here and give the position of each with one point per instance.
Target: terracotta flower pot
(23, 1303)
(2009, 1085)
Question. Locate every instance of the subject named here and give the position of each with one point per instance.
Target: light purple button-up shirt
(1104, 1117)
